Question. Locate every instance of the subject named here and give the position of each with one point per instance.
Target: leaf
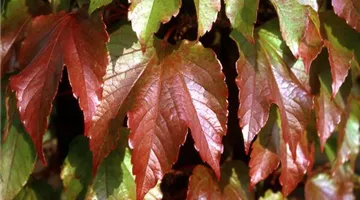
(203, 185)
(264, 157)
(266, 75)
(114, 179)
(270, 195)
(242, 15)
(13, 22)
(233, 184)
(300, 28)
(169, 88)
(341, 42)
(348, 10)
(55, 40)
(94, 4)
(17, 160)
(328, 110)
(313, 3)
(206, 12)
(39, 190)
(324, 186)
(76, 170)
(10, 110)
(146, 16)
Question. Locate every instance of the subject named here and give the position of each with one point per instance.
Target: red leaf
(292, 170)
(168, 90)
(348, 10)
(266, 76)
(55, 40)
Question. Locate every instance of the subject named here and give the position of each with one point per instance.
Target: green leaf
(17, 160)
(270, 195)
(76, 171)
(206, 12)
(114, 179)
(39, 190)
(146, 16)
(94, 4)
(242, 16)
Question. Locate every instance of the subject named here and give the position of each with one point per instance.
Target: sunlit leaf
(206, 12)
(348, 10)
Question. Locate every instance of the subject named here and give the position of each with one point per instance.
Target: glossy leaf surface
(55, 40)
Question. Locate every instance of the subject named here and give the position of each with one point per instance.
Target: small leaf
(17, 160)
(313, 3)
(300, 28)
(341, 42)
(270, 195)
(114, 179)
(94, 4)
(146, 16)
(267, 73)
(206, 12)
(76, 171)
(55, 40)
(169, 88)
(13, 22)
(242, 15)
(348, 10)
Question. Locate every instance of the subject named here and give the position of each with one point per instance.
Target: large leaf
(233, 184)
(55, 40)
(242, 15)
(206, 12)
(348, 10)
(146, 16)
(342, 44)
(268, 73)
(13, 22)
(17, 160)
(300, 28)
(114, 179)
(169, 89)
(76, 171)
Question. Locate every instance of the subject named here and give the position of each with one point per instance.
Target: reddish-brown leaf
(348, 10)
(169, 88)
(342, 43)
(267, 74)
(54, 40)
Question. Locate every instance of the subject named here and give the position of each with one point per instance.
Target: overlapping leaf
(94, 4)
(169, 88)
(267, 73)
(233, 184)
(18, 158)
(270, 195)
(146, 16)
(348, 10)
(242, 15)
(300, 28)
(55, 40)
(206, 12)
(342, 44)
(13, 22)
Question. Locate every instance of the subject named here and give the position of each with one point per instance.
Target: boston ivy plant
(266, 94)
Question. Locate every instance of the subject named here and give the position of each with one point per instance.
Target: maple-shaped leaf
(266, 75)
(264, 157)
(325, 186)
(146, 16)
(13, 23)
(169, 88)
(348, 10)
(242, 15)
(341, 42)
(233, 184)
(206, 12)
(55, 40)
(300, 28)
